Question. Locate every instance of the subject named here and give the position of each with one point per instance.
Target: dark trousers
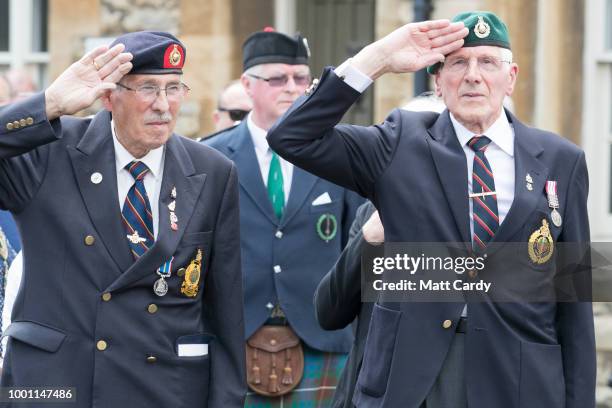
(449, 389)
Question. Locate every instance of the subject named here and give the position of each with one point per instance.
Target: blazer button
(101, 345)
(22, 123)
(180, 272)
(151, 359)
(447, 324)
(279, 234)
(152, 308)
(106, 296)
(29, 121)
(277, 269)
(89, 240)
(472, 273)
(9, 126)
(16, 124)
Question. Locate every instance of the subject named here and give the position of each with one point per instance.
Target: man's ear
(438, 87)
(246, 83)
(106, 100)
(514, 70)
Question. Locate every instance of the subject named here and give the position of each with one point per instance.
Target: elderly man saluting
(481, 177)
(131, 295)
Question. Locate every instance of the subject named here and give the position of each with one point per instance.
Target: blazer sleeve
(25, 133)
(227, 386)
(338, 296)
(575, 318)
(347, 155)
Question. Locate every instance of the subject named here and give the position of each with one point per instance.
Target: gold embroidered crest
(541, 245)
(191, 282)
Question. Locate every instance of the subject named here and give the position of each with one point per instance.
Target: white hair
(505, 54)
(254, 70)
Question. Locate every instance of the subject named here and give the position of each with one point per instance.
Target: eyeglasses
(149, 93)
(300, 80)
(485, 63)
(234, 114)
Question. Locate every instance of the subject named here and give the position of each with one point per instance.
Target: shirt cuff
(353, 77)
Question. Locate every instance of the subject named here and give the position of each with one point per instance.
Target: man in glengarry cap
(293, 227)
(131, 293)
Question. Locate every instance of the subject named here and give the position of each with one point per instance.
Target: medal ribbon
(166, 268)
(551, 193)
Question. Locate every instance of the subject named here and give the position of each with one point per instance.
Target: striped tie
(136, 213)
(486, 219)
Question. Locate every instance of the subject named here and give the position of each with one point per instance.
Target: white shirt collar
(258, 135)
(500, 133)
(153, 159)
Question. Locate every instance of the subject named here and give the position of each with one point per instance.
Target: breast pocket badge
(193, 273)
(541, 245)
(327, 227)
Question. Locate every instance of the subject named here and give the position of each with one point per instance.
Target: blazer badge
(193, 272)
(540, 246)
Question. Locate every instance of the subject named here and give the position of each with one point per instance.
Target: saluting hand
(411, 47)
(373, 230)
(79, 86)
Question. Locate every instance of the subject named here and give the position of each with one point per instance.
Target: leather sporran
(275, 361)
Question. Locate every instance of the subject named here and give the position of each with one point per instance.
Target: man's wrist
(370, 62)
(52, 109)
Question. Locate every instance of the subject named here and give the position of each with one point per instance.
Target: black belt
(462, 325)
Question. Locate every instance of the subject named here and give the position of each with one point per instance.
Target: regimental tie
(276, 191)
(484, 198)
(136, 213)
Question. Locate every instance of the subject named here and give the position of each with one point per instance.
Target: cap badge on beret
(173, 57)
(482, 29)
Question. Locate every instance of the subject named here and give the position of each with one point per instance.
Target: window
(4, 25)
(40, 15)
(24, 37)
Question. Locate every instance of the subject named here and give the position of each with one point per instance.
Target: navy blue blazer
(413, 169)
(291, 245)
(81, 285)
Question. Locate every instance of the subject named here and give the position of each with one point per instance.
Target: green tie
(275, 186)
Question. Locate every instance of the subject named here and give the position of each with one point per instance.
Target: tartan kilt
(322, 371)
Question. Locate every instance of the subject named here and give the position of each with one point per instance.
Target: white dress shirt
(264, 157)
(152, 180)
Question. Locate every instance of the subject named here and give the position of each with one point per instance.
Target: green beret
(485, 28)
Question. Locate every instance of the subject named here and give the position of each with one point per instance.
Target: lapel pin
(96, 178)
(173, 192)
(529, 186)
(173, 221)
(528, 178)
(172, 206)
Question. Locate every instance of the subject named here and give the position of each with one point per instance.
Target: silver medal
(556, 217)
(160, 287)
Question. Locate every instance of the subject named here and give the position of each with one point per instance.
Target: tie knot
(479, 143)
(137, 169)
